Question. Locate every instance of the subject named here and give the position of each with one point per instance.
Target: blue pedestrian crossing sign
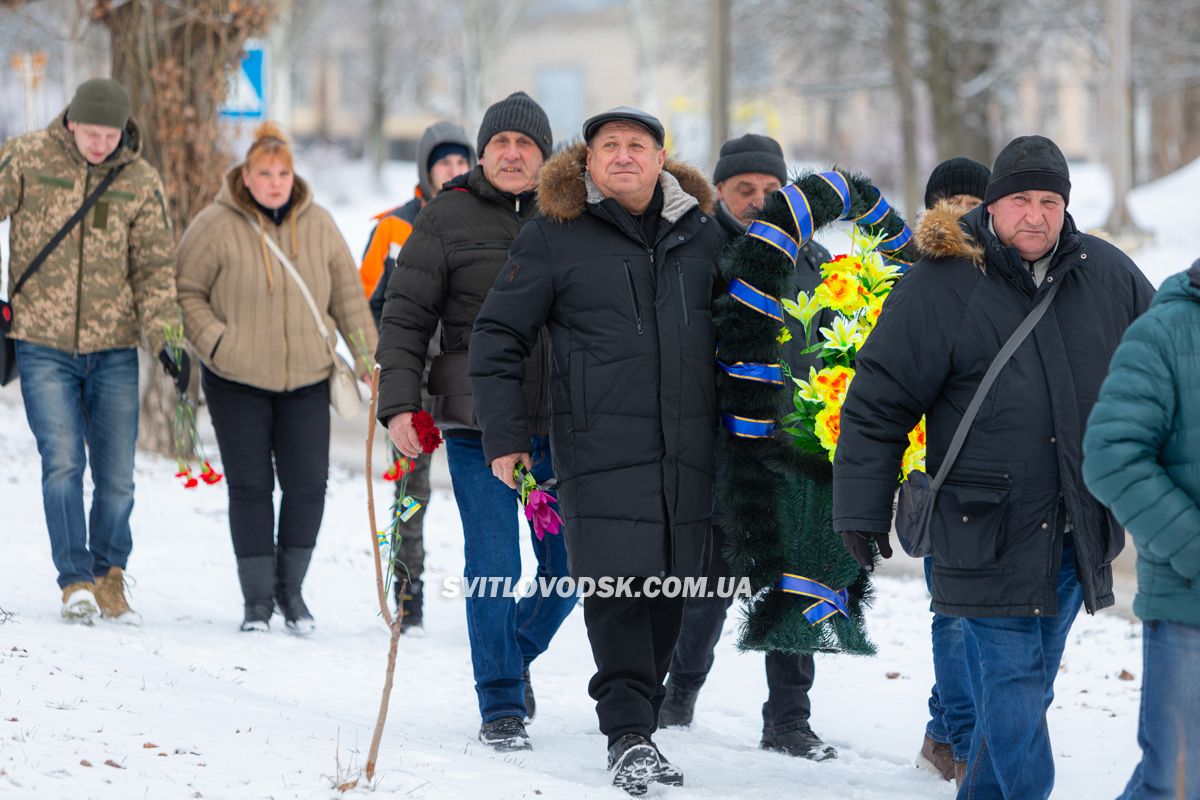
(246, 98)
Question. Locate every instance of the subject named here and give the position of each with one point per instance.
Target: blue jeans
(951, 707)
(505, 634)
(1168, 722)
(71, 401)
(1013, 662)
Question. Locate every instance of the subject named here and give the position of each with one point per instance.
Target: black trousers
(789, 677)
(262, 435)
(632, 641)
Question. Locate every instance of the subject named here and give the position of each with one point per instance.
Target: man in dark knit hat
(79, 310)
(961, 181)
(457, 248)
(749, 169)
(1019, 545)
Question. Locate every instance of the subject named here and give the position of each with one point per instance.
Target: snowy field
(187, 706)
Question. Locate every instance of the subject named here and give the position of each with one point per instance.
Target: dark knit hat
(100, 101)
(517, 112)
(750, 153)
(956, 176)
(1029, 162)
(446, 149)
(592, 125)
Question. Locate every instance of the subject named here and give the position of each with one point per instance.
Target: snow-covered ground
(186, 706)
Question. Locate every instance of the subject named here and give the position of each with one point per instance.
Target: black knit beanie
(1029, 162)
(517, 112)
(750, 153)
(100, 101)
(956, 176)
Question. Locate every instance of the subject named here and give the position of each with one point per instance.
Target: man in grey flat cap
(622, 268)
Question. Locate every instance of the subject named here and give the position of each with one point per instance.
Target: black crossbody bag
(918, 494)
(8, 352)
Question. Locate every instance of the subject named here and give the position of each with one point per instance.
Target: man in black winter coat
(750, 168)
(448, 264)
(622, 269)
(1018, 542)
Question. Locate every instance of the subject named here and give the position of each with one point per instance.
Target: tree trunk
(377, 95)
(905, 97)
(175, 60)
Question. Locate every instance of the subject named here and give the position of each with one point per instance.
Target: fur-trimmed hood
(565, 188)
(940, 234)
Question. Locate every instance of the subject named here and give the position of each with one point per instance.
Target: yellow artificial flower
(842, 265)
(804, 309)
(831, 384)
(785, 335)
(870, 315)
(877, 272)
(914, 456)
(862, 242)
(845, 334)
(808, 388)
(841, 292)
(829, 428)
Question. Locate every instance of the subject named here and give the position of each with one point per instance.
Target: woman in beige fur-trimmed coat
(265, 366)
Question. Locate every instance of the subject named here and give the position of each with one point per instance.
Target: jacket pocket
(968, 521)
(579, 421)
(633, 297)
(450, 389)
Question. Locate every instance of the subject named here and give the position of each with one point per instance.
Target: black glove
(858, 545)
(181, 372)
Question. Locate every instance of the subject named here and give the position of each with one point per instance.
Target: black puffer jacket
(459, 243)
(997, 529)
(633, 397)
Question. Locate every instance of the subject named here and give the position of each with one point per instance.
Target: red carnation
(427, 431)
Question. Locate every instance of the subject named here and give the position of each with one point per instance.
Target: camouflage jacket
(115, 271)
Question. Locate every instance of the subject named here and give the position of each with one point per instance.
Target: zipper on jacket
(517, 205)
(682, 292)
(87, 179)
(633, 298)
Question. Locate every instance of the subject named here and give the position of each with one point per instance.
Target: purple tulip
(538, 511)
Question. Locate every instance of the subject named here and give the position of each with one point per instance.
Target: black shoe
(256, 574)
(799, 741)
(678, 707)
(411, 603)
(505, 735)
(530, 700)
(668, 773)
(634, 763)
(291, 567)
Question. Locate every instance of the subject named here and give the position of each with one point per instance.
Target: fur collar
(565, 188)
(940, 235)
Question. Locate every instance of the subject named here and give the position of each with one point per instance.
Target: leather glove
(181, 372)
(858, 545)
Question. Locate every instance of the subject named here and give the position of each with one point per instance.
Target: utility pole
(1120, 156)
(718, 79)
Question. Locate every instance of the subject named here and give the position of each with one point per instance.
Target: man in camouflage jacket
(76, 324)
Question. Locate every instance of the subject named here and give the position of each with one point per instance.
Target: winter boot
(79, 603)
(110, 596)
(936, 757)
(668, 773)
(800, 741)
(634, 763)
(530, 700)
(291, 567)
(411, 602)
(257, 576)
(679, 705)
(505, 735)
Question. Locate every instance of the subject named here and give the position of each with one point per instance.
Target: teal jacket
(1142, 449)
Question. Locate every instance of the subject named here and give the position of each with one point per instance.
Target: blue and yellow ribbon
(896, 242)
(801, 212)
(761, 302)
(763, 373)
(837, 181)
(876, 212)
(748, 428)
(828, 601)
(776, 237)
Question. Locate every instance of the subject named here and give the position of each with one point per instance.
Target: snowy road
(188, 707)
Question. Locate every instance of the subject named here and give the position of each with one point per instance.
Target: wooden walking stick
(393, 622)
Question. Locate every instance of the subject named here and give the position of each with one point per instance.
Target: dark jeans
(951, 707)
(1168, 731)
(262, 435)
(632, 641)
(789, 677)
(505, 634)
(1013, 662)
(72, 401)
